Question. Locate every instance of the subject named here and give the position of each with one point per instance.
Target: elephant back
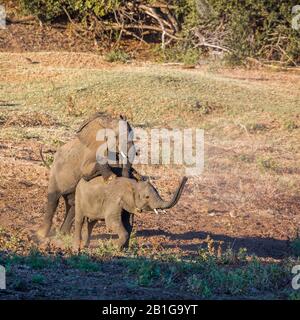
(87, 132)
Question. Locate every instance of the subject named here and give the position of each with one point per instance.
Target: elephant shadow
(261, 247)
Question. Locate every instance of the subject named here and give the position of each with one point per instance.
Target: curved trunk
(161, 204)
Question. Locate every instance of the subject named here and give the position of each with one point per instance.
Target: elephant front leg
(127, 220)
(117, 227)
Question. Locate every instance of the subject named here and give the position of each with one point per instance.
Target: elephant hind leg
(79, 220)
(53, 199)
(86, 235)
(69, 214)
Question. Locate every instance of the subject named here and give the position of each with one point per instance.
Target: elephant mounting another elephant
(78, 159)
(103, 191)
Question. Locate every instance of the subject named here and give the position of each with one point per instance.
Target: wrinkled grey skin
(70, 202)
(98, 199)
(75, 160)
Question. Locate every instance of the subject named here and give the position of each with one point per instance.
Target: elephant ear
(87, 132)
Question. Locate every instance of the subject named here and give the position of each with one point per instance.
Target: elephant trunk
(161, 204)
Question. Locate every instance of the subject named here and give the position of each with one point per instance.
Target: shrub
(38, 279)
(250, 28)
(50, 10)
(266, 164)
(117, 56)
(295, 245)
(83, 262)
(247, 28)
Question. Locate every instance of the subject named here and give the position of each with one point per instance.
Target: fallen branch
(22, 20)
(209, 45)
(116, 26)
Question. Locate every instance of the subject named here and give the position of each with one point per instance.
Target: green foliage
(266, 164)
(50, 10)
(179, 53)
(134, 247)
(290, 125)
(258, 29)
(20, 285)
(210, 275)
(295, 245)
(117, 56)
(106, 249)
(36, 260)
(256, 127)
(38, 279)
(249, 28)
(83, 262)
(146, 271)
(199, 286)
(295, 295)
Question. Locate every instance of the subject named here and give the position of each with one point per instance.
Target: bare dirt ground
(248, 196)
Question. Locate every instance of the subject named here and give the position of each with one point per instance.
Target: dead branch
(116, 26)
(22, 20)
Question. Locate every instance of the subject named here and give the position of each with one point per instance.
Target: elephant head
(126, 150)
(148, 198)
(113, 136)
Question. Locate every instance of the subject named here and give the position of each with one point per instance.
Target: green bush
(248, 28)
(295, 244)
(49, 10)
(117, 56)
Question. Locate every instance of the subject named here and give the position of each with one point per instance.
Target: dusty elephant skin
(98, 199)
(77, 159)
(70, 202)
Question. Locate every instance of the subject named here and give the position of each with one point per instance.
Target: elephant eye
(147, 197)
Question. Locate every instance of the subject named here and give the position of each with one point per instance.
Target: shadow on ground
(261, 247)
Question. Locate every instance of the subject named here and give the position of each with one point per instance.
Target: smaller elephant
(99, 199)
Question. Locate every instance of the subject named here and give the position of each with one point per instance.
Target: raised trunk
(161, 204)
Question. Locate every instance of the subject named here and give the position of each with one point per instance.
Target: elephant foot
(43, 232)
(121, 245)
(76, 248)
(65, 231)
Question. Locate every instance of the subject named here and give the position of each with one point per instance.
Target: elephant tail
(42, 157)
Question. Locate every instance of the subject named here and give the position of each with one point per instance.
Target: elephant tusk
(155, 210)
(123, 154)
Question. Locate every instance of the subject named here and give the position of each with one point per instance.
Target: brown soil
(264, 232)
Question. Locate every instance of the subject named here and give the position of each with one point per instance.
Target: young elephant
(98, 199)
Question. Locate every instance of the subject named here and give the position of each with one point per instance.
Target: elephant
(78, 159)
(98, 199)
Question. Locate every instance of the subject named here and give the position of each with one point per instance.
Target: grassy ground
(248, 196)
(105, 273)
